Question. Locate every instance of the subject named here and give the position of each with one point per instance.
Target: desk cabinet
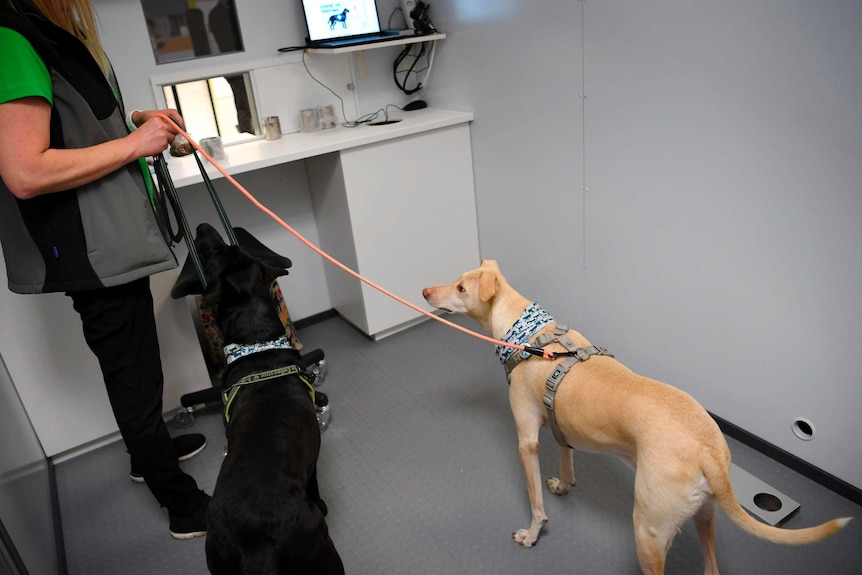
(402, 213)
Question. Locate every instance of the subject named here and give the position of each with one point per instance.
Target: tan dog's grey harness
(573, 355)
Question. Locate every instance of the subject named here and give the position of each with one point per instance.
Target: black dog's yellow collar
(229, 395)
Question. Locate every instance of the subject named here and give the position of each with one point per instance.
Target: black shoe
(187, 446)
(193, 525)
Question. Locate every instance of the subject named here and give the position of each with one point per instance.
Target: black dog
(266, 515)
(338, 18)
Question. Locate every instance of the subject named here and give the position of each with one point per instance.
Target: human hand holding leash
(155, 130)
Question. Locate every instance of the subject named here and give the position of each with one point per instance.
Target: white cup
(271, 128)
(308, 120)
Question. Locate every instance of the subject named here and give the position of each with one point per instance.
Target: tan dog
(680, 455)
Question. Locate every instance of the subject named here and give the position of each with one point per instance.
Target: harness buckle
(555, 378)
(581, 353)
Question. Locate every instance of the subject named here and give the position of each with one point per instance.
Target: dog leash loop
(166, 189)
(228, 228)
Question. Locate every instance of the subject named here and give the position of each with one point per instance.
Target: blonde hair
(77, 18)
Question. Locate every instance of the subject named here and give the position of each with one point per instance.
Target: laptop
(335, 24)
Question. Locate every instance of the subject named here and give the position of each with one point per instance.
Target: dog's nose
(425, 293)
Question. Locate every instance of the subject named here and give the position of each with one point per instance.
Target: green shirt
(23, 73)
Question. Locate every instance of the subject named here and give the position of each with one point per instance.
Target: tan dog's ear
(487, 285)
(490, 264)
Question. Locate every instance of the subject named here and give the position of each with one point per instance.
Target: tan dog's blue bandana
(532, 320)
(233, 351)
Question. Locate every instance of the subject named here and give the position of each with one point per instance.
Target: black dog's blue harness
(532, 320)
(234, 351)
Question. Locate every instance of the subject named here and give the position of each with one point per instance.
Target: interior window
(221, 106)
(182, 30)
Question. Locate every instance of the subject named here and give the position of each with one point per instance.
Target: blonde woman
(75, 217)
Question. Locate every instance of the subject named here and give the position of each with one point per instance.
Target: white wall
(741, 146)
(719, 143)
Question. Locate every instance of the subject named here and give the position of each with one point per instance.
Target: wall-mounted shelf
(399, 40)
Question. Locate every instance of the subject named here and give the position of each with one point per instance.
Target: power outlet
(407, 7)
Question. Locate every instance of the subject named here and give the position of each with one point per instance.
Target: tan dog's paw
(521, 537)
(558, 487)
(528, 537)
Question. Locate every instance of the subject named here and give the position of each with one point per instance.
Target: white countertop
(298, 146)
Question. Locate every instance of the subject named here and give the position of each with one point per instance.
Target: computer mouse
(415, 105)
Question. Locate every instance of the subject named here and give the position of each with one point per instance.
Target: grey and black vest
(97, 235)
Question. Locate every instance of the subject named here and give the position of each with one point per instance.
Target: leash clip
(580, 353)
(537, 351)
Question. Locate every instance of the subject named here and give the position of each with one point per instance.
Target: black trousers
(120, 328)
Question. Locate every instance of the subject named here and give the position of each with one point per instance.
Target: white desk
(395, 203)
(299, 146)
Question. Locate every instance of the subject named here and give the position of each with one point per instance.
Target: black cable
(366, 119)
(340, 99)
(411, 70)
(391, 14)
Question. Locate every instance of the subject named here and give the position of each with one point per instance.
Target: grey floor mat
(420, 471)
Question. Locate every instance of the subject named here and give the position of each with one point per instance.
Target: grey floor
(420, 471)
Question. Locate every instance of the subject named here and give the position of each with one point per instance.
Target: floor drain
(767, 502)
(759, 498)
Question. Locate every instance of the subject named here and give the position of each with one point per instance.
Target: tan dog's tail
(719, 481)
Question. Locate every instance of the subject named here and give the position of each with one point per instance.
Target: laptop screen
(328, 19)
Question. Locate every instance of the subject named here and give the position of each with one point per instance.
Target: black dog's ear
(212, 295)
(270, 273)
(276, 261)
(207, 241)
(259, 250)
